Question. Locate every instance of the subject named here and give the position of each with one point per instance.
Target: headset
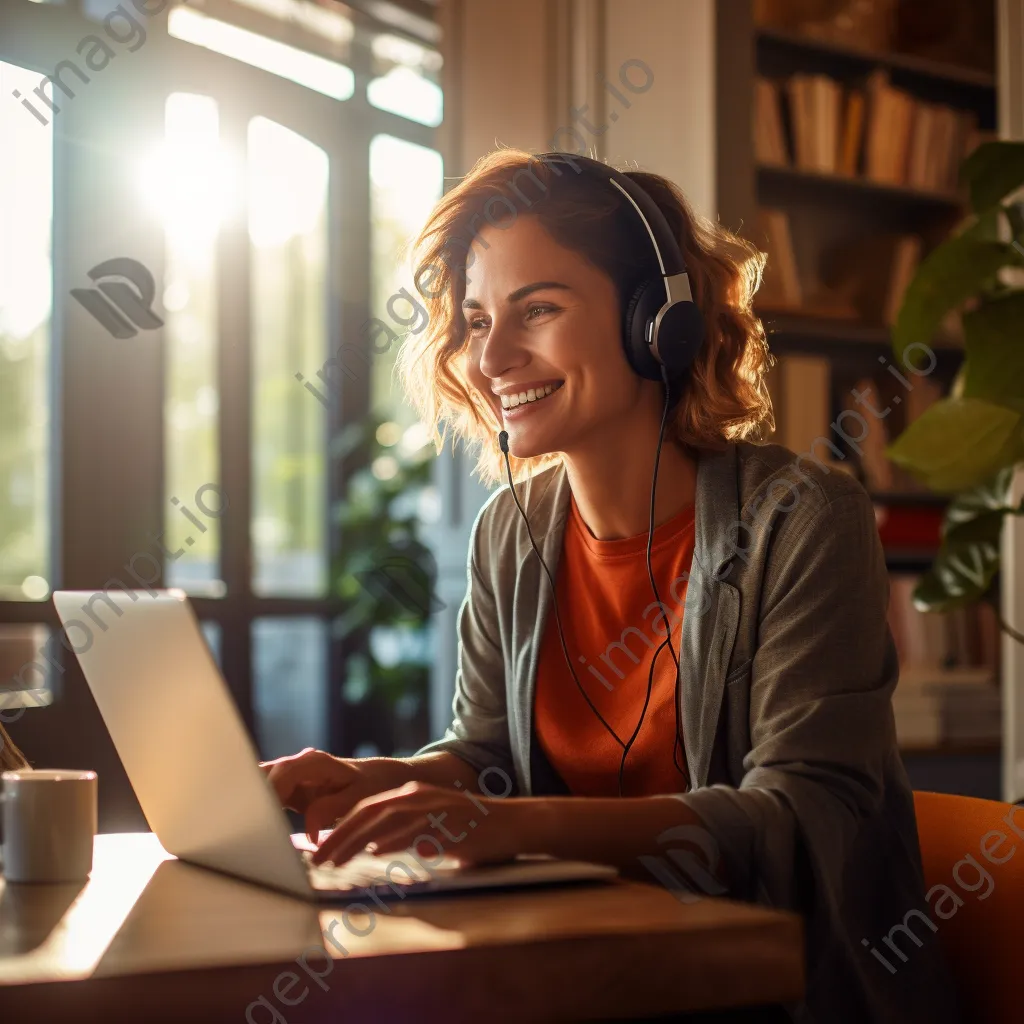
(662, 333)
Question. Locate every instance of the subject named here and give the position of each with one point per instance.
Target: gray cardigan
(787, 669)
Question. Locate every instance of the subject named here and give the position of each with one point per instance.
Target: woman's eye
(479, 324)
(540, 309)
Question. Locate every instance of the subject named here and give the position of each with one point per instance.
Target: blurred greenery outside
(26, 215)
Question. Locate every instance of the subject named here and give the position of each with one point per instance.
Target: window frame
(95, 533)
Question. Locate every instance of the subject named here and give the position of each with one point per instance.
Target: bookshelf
(848, 188)
(840, 161)
(791, 45)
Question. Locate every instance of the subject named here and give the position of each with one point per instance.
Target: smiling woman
(599, 346)
(726, 398)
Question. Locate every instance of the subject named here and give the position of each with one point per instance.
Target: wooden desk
(152, 939)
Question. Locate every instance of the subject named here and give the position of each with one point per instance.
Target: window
(188, 187)
(288, 233)
(26, 308)
(270, 212)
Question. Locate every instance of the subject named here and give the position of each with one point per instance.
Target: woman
(769, 757)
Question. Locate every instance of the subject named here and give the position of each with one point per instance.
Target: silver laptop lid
(179, 734)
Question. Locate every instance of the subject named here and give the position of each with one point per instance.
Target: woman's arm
(324, 788)
(632, 834)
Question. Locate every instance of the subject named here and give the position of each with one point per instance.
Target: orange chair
(976, 849)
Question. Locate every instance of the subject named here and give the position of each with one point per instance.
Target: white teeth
(511, 401)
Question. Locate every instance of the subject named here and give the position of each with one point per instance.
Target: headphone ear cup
(643, 305)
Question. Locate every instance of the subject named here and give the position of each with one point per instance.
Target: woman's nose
(502, 350)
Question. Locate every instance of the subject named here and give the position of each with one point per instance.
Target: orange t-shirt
(613, 627)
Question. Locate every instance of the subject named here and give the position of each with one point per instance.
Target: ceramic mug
(49, 823)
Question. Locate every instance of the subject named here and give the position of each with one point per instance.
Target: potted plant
(968, 444)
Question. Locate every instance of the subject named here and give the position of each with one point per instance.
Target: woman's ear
(11, 758)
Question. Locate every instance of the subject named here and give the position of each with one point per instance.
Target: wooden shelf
(956, 748)
(910, 562)
(900, 62)
(924, 498)
(830, 185)
(793, 331)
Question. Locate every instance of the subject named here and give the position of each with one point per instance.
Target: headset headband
(663, 328)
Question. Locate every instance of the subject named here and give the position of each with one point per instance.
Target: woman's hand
(474, 829)
(323, 787)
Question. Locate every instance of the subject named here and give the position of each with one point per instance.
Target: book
(873, 274)
(919, 163)
(966, 131)
(769, 137)
(814, 104)
(805, 406)
(890, 118)
(877, 468)
(828, 99)
(956, 647)
(933, 720)
(848, 158)
(957, 681)
(876, 124)
(781, 282)
(906, 256)
(800, 120)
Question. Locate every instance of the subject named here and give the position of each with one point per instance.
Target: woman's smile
(519, 400)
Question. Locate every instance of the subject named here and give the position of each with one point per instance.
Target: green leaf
(977, 514)
(993, 171)
(951, 274)
(958, 577)
(968, 557)
(987, 227)
(995, 355)
(1015, 217)
(959, 443)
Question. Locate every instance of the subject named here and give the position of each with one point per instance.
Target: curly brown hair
(725, 397)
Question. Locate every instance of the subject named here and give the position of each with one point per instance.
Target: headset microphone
(662, 333)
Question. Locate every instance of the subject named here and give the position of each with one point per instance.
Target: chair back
(973, 856)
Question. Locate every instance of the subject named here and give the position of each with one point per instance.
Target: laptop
(195, 771)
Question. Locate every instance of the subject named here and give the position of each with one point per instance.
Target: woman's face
(544, 347)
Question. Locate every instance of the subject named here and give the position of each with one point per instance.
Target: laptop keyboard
(379, 874)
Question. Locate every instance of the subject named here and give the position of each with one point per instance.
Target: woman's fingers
(323, 811)
(346, 841)
(303, 777)
(364, 822)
